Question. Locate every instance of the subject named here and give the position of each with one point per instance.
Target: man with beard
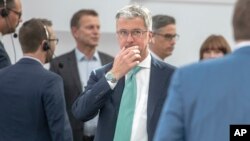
(10, 17)
(32, 98)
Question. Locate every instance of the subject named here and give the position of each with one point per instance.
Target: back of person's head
(134, 11)
(215, 42)
(32, 33)
(77, 16)
(241, 20)
(160, 21)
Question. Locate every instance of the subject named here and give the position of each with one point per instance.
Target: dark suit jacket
(98, 96)
(66, 67)
(32, 104)
(4, 58)
(205, 98)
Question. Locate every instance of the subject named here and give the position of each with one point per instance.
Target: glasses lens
(55, 40)
(133, 33)
(123, 33)
(19, 14)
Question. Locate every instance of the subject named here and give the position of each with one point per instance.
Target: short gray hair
(160, 21)
(135, 10)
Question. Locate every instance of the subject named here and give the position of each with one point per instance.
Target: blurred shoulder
(209, 67)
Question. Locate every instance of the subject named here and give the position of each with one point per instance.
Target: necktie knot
(133, 71)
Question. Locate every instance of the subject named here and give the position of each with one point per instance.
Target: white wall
(195, 21)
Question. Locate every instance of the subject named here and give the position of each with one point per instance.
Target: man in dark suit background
(75, 67)
(10, 16)
(206, 98)
(31, 98)
(104, 91)
(164, 36)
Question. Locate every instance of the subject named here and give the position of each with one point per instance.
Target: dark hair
(160, 21)
(241, 20)
(32, 33)
(77, 16)
(215, 42)
(9, 4)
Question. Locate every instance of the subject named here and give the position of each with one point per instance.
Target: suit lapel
(155, 87)
(72, 63)
(104, 58)
(118, 94)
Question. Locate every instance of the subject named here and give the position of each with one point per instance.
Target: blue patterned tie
(127, 108)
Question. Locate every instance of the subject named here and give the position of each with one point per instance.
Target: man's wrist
(110, 77)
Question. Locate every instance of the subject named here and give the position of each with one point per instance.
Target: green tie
(127, 107)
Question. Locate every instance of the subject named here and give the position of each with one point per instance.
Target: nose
(173, 41)
(130, 38)
(214, 54)
(96, 29)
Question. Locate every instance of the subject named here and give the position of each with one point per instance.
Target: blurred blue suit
(32, 104)
(205, 98)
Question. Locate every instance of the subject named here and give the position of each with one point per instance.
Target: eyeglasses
(56, 40)
(133, 33)
(169, 37)
(19, 14)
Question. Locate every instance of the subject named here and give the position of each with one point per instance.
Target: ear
(151, 38)
(74, 31)
(45, 45)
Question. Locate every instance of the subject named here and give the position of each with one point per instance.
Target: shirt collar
(241, 44)
(146, 63)
(80, 56)
(29, 57)
(156, 56)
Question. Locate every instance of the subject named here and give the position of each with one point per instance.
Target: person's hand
(125, 60)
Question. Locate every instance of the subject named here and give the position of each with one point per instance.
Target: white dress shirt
(155, 56)
(139, 127)
(85, 66)
(241, 44)
(33, 58)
